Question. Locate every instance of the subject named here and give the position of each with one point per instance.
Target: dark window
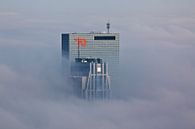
(104, 38)
(65, 45)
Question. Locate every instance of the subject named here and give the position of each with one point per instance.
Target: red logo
(81, 41)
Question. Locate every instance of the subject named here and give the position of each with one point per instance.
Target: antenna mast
(108, 27)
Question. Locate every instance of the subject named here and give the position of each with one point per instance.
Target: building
(92, 45)
(93, 62)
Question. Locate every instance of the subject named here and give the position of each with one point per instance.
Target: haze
(157, 62)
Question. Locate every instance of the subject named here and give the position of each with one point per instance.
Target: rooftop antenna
(108, 27)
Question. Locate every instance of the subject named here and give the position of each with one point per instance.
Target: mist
(157, 64)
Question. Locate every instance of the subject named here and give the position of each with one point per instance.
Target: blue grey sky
(153, 16)
(157, 48)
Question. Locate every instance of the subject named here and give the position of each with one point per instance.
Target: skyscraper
(93, 61)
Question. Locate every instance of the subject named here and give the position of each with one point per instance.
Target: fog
(157, 64)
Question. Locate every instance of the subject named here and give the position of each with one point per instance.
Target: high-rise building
(93, 61)
(92, 45)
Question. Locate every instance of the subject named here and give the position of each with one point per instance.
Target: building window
(104, 37)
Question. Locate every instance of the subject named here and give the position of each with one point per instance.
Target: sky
(157, 48)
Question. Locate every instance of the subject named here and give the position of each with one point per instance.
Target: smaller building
(91, 78)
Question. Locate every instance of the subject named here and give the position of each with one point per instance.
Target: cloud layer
(156, 89)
